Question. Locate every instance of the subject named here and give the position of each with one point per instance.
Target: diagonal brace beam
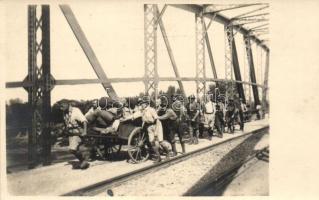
(84, 43)
(209, 50)
(170, 52)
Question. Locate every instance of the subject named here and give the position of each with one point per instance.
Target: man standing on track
(76, 126)
(193, 124)
(168, 118)
(209, 114)
(149, 118)
(181, 113)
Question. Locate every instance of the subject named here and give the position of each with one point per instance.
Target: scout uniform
(193, 124)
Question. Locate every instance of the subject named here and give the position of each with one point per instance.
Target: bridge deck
(59, 178)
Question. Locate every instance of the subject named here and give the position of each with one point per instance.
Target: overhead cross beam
(213, 8)
(250, 12)
(84, 43)
(219, 18)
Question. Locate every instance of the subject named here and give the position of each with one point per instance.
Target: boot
(196, 137)
(191, 136)
(174, 149)
(183, 147)
(86, 156)
(157, 154)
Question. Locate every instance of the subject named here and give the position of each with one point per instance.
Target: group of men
(162, 123)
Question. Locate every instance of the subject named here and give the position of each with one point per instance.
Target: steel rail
(223, 179)
(115, 181)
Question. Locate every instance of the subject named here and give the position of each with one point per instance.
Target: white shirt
(210, 107)
(74, 117)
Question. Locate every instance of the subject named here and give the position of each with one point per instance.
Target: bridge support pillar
(150, 50)
(39, 94)
(200, 56)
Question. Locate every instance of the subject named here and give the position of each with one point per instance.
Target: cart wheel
(137, 149)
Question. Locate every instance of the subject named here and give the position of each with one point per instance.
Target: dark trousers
(241, 120)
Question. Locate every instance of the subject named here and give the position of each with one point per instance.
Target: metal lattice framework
(200, 55)
(150, 49)
(39, 75)
(39, 81)
(228, 30)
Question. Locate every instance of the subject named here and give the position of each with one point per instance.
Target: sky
(116, 34)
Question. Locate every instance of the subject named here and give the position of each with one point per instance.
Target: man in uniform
(239, 110)
(168, 118)
(230, 116)
(76, 126)
(209, 114)
(181, 113)
(193, 124)
(219, 121)
(149, 118)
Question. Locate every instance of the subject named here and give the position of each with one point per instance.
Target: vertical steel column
(200, 56)
(39, 92)
(228, 29)
(150, 50)
(265, 88)
(47, 85)
(246, 76)
(252, 68)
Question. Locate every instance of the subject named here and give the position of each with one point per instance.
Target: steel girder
(88, 50)
(150, 49)
(169, 49)
(209, 51)
(200, 55)
(231, 61)
(265, 89)
(39, 96)
(251, 67)
(221, 19)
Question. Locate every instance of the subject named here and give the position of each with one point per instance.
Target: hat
(146, 99)
(191, 96)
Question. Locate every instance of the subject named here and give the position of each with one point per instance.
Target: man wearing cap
(209, 115)
(181, 113)
(76, 126)
(193, 124)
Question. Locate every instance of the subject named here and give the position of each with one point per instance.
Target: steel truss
(200, 55)
(39, 81)
(150, 49)
(251, 67)
(39, 75)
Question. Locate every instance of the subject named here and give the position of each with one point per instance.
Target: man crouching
(76, 127)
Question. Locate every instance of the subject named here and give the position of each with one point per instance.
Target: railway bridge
(252, 24)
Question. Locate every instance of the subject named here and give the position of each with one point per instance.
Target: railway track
(217, 186)
(107, 185)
